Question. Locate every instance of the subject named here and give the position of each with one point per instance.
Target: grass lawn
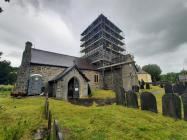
(110, 122)
(19, 118)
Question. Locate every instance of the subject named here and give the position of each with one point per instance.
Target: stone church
(104, 64)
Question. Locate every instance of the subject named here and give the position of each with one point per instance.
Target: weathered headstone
(148, 102)
(168, 88)
(178, 88)
(184, 102)
(141, 86)
(135, 88)
(185, 89)
(120, 96)
(147, 86)
(132, 100)
(171, 106)
(161, 85)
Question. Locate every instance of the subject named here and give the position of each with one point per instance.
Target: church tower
(102, 43)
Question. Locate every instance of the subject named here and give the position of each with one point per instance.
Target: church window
(96, 78)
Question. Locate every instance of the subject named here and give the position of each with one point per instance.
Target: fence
(57, 134)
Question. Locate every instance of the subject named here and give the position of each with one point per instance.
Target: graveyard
(91, 122)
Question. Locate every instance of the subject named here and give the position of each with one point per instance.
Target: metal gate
(73, 88)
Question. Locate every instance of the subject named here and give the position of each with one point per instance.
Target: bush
(6, 88)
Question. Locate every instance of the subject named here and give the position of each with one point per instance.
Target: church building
(104, 64)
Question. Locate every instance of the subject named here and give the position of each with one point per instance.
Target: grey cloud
(161, 25)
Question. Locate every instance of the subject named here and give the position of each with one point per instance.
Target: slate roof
(66, 71)
(42, 57)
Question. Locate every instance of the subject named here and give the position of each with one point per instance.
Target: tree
(8, 73)
(154, 70)
(1, 54)
(5, 69)
(170, 77)
(1, 10)
(184, 72)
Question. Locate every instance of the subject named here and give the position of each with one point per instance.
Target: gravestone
(171, 106)
(185, 89)
(184, 102)
(161, 86)
(135, 88)
(132, 100)
(148, 102)
(141, 86)
(120, 96)
(178, 88)
(147, 86)
(168, 88)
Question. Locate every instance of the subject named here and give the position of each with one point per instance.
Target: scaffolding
(102, 43)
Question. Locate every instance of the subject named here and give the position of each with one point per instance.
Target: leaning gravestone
(171, 106)
(120, 96)
(132, 100)
(184, 102)
(168, 88)
(148, 102)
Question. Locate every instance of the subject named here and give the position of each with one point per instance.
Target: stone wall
(129, 76)
(48, 72)
(62, 85)
(145, 76)
(112, 77)
(23, 72)
(90, 75)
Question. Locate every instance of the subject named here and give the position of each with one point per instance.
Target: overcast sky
(155, 30)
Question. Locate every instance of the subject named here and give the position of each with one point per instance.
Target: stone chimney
(28, 45)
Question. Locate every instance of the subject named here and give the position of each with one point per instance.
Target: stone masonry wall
(62, 85)
(23, 72)
(129, 76)
(48, 72)
(90, 75)
(112, 77)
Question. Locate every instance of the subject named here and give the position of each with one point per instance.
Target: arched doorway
(73, 88)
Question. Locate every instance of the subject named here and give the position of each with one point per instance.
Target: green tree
(8, 73)
(154, 70)
(184, 72)
(171, 77)
(1, 10)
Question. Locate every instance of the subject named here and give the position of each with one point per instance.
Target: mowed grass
(20, 118)
(109, 122)
(116, 122)
(103, 94)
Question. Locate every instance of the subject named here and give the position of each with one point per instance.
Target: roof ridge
(54, 53)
